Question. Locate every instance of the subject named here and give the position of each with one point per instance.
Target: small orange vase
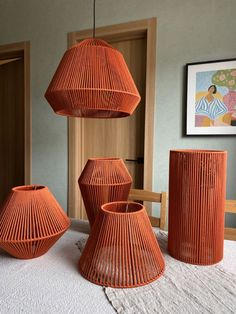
(122, 250)
(31, 221)
(197, 184)
(103, 180)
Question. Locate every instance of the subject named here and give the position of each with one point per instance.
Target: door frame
(113, 33)
(22, 50)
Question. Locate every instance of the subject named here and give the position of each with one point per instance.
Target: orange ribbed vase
(31, 221)
(122, 250)
(103, 180)
(197, 185)
(93, 80)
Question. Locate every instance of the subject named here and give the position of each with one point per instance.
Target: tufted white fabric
(183, 288)
(52, 284)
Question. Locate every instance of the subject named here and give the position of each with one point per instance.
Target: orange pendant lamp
(93, 80)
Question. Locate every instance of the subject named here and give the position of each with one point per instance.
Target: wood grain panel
(149, 196)
(123, 138)
(137, 41)
(12, 126)
(230, 207)
(9, 53)
(230, 234)
(8, 60)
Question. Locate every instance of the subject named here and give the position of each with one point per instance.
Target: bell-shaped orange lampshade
(31, 221)
(93, 80)
(122, 250)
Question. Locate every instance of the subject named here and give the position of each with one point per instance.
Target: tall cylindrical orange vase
(31, 221)
(197, 185)
(103, 180)
(122, 250)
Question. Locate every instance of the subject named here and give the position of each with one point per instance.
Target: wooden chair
(230, 207)
(143, 195)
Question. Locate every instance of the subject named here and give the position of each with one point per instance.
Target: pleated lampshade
(197, 185)
(31, 221)
(93, 80)
(103, 180)
(122, 250)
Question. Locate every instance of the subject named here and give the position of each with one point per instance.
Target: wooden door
(129, 138)
(123, 137)
(13, 99)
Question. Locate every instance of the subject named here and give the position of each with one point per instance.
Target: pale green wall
(188, 31)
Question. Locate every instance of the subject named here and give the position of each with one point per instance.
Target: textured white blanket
(183, 288)
(52, 283)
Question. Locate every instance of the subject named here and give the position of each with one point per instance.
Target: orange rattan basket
(93, 80)
(103, 180)
(197, 183)
(122, 250)
(31, 221)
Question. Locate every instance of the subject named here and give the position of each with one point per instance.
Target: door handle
(138, 160)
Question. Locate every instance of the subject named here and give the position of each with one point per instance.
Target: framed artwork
(211, 98)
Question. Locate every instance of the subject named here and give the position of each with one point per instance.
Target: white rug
(183, 288)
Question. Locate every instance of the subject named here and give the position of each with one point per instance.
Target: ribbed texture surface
(197, 183)
(93, 80)
(103, 180)
(31, 221)
(122, 250)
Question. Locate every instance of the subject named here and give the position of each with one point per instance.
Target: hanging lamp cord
(94, 7)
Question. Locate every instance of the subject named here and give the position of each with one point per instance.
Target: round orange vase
(197, 184)
(31, 221)
(103, 180)
(122, 250)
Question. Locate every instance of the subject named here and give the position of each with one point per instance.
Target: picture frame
(211, 98)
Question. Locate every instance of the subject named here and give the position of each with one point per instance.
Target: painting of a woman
(209, 109)
(211, 98)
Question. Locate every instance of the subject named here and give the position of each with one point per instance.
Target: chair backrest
(230, 207)
(144, 195)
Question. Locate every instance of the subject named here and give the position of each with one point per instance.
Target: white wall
(188, 31)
